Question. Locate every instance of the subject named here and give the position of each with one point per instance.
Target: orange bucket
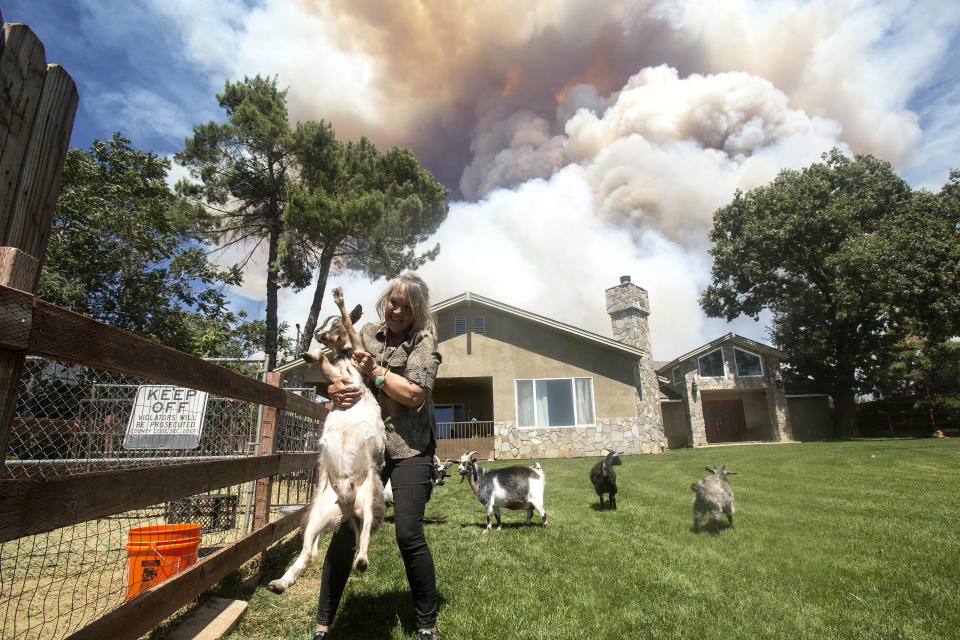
(156, 553)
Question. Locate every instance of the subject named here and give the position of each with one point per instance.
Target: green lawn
(853, 539)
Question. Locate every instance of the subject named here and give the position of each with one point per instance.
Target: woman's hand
(343, 393)
(364, 362)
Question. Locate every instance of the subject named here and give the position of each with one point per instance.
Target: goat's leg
(538, 505)
(489, 518)
(715, 515)
(613, 500)
(364, 509)
(496, 512)
(697, 518)
(529, 516)
(355, 338)
(324, 516)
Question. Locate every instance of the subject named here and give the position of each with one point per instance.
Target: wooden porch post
(266, 447)
(38, 103)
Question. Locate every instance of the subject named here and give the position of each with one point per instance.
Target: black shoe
(428, 634)
(320, 635)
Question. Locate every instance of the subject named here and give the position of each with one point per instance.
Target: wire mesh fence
(73, 419)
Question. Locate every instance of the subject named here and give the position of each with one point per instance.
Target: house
(545, 389)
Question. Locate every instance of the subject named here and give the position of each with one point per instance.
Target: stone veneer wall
(630, 435)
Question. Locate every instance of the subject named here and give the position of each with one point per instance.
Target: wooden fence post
(37, 105)
(266, 447)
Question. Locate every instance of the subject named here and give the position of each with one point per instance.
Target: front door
(723, 420)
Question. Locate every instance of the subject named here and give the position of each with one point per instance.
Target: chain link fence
(74, 419)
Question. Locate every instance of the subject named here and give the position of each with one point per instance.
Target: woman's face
(399, 314)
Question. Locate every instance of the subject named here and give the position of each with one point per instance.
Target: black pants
(410, 480)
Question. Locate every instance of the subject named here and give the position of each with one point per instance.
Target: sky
(581, 141)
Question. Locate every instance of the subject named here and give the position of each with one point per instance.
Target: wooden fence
(37, 107)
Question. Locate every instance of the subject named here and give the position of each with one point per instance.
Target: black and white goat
(713, 494)
(349, 489)
(516, 487)
(604, 478)
(436, 480)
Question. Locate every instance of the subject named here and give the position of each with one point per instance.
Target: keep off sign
(166, 417)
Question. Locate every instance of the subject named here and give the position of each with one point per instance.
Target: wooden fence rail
(35, 327)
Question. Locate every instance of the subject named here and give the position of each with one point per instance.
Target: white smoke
(588, 141)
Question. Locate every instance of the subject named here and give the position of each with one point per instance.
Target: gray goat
(515, 487)
(604, 478)
(713, 494)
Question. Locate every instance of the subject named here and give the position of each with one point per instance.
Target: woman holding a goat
(401, 368)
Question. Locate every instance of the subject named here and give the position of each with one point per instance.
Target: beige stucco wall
(675, 425)
(513, 348)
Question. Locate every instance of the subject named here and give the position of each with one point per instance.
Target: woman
(401, 368)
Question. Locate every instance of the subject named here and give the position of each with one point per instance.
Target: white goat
(352, 447)
(436, 479)
(713, 494)
(514, 487)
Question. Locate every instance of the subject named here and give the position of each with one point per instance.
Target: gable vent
(480, 324)
(459, 325)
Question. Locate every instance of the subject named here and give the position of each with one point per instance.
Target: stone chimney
(629, 306)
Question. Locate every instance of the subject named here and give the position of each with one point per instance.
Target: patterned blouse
(410, 430)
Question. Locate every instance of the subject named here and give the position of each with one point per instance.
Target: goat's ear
(730, 473)
(710, 469)
(356, 313)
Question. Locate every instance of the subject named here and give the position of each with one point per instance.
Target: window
(554, 402)
(480, 324)
(748, 364)
(677, 375)
(711, 365)
(459, 325)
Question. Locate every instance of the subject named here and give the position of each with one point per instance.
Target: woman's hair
(418, 296)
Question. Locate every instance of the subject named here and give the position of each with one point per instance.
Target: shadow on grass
(505, 525)
(373, 615)
(712, 530)
(596, 507)
(390, 519)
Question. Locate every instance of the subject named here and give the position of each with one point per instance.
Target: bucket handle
(161, 556)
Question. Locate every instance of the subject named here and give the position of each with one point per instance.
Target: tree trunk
(845, 412)
(270, 346)
(326, 259)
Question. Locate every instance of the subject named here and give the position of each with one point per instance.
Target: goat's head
(333, 335)
(721, 471)
(466, 461)
(440, 470)
(613, 457)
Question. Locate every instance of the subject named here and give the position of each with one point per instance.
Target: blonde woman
(400, 368)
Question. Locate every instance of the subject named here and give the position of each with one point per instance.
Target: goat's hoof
(361, 564)
(277, 586)
(338, 295)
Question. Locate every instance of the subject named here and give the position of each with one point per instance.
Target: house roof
(472, 298)
(746, 343)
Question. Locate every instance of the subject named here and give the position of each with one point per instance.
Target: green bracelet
(379, 381)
